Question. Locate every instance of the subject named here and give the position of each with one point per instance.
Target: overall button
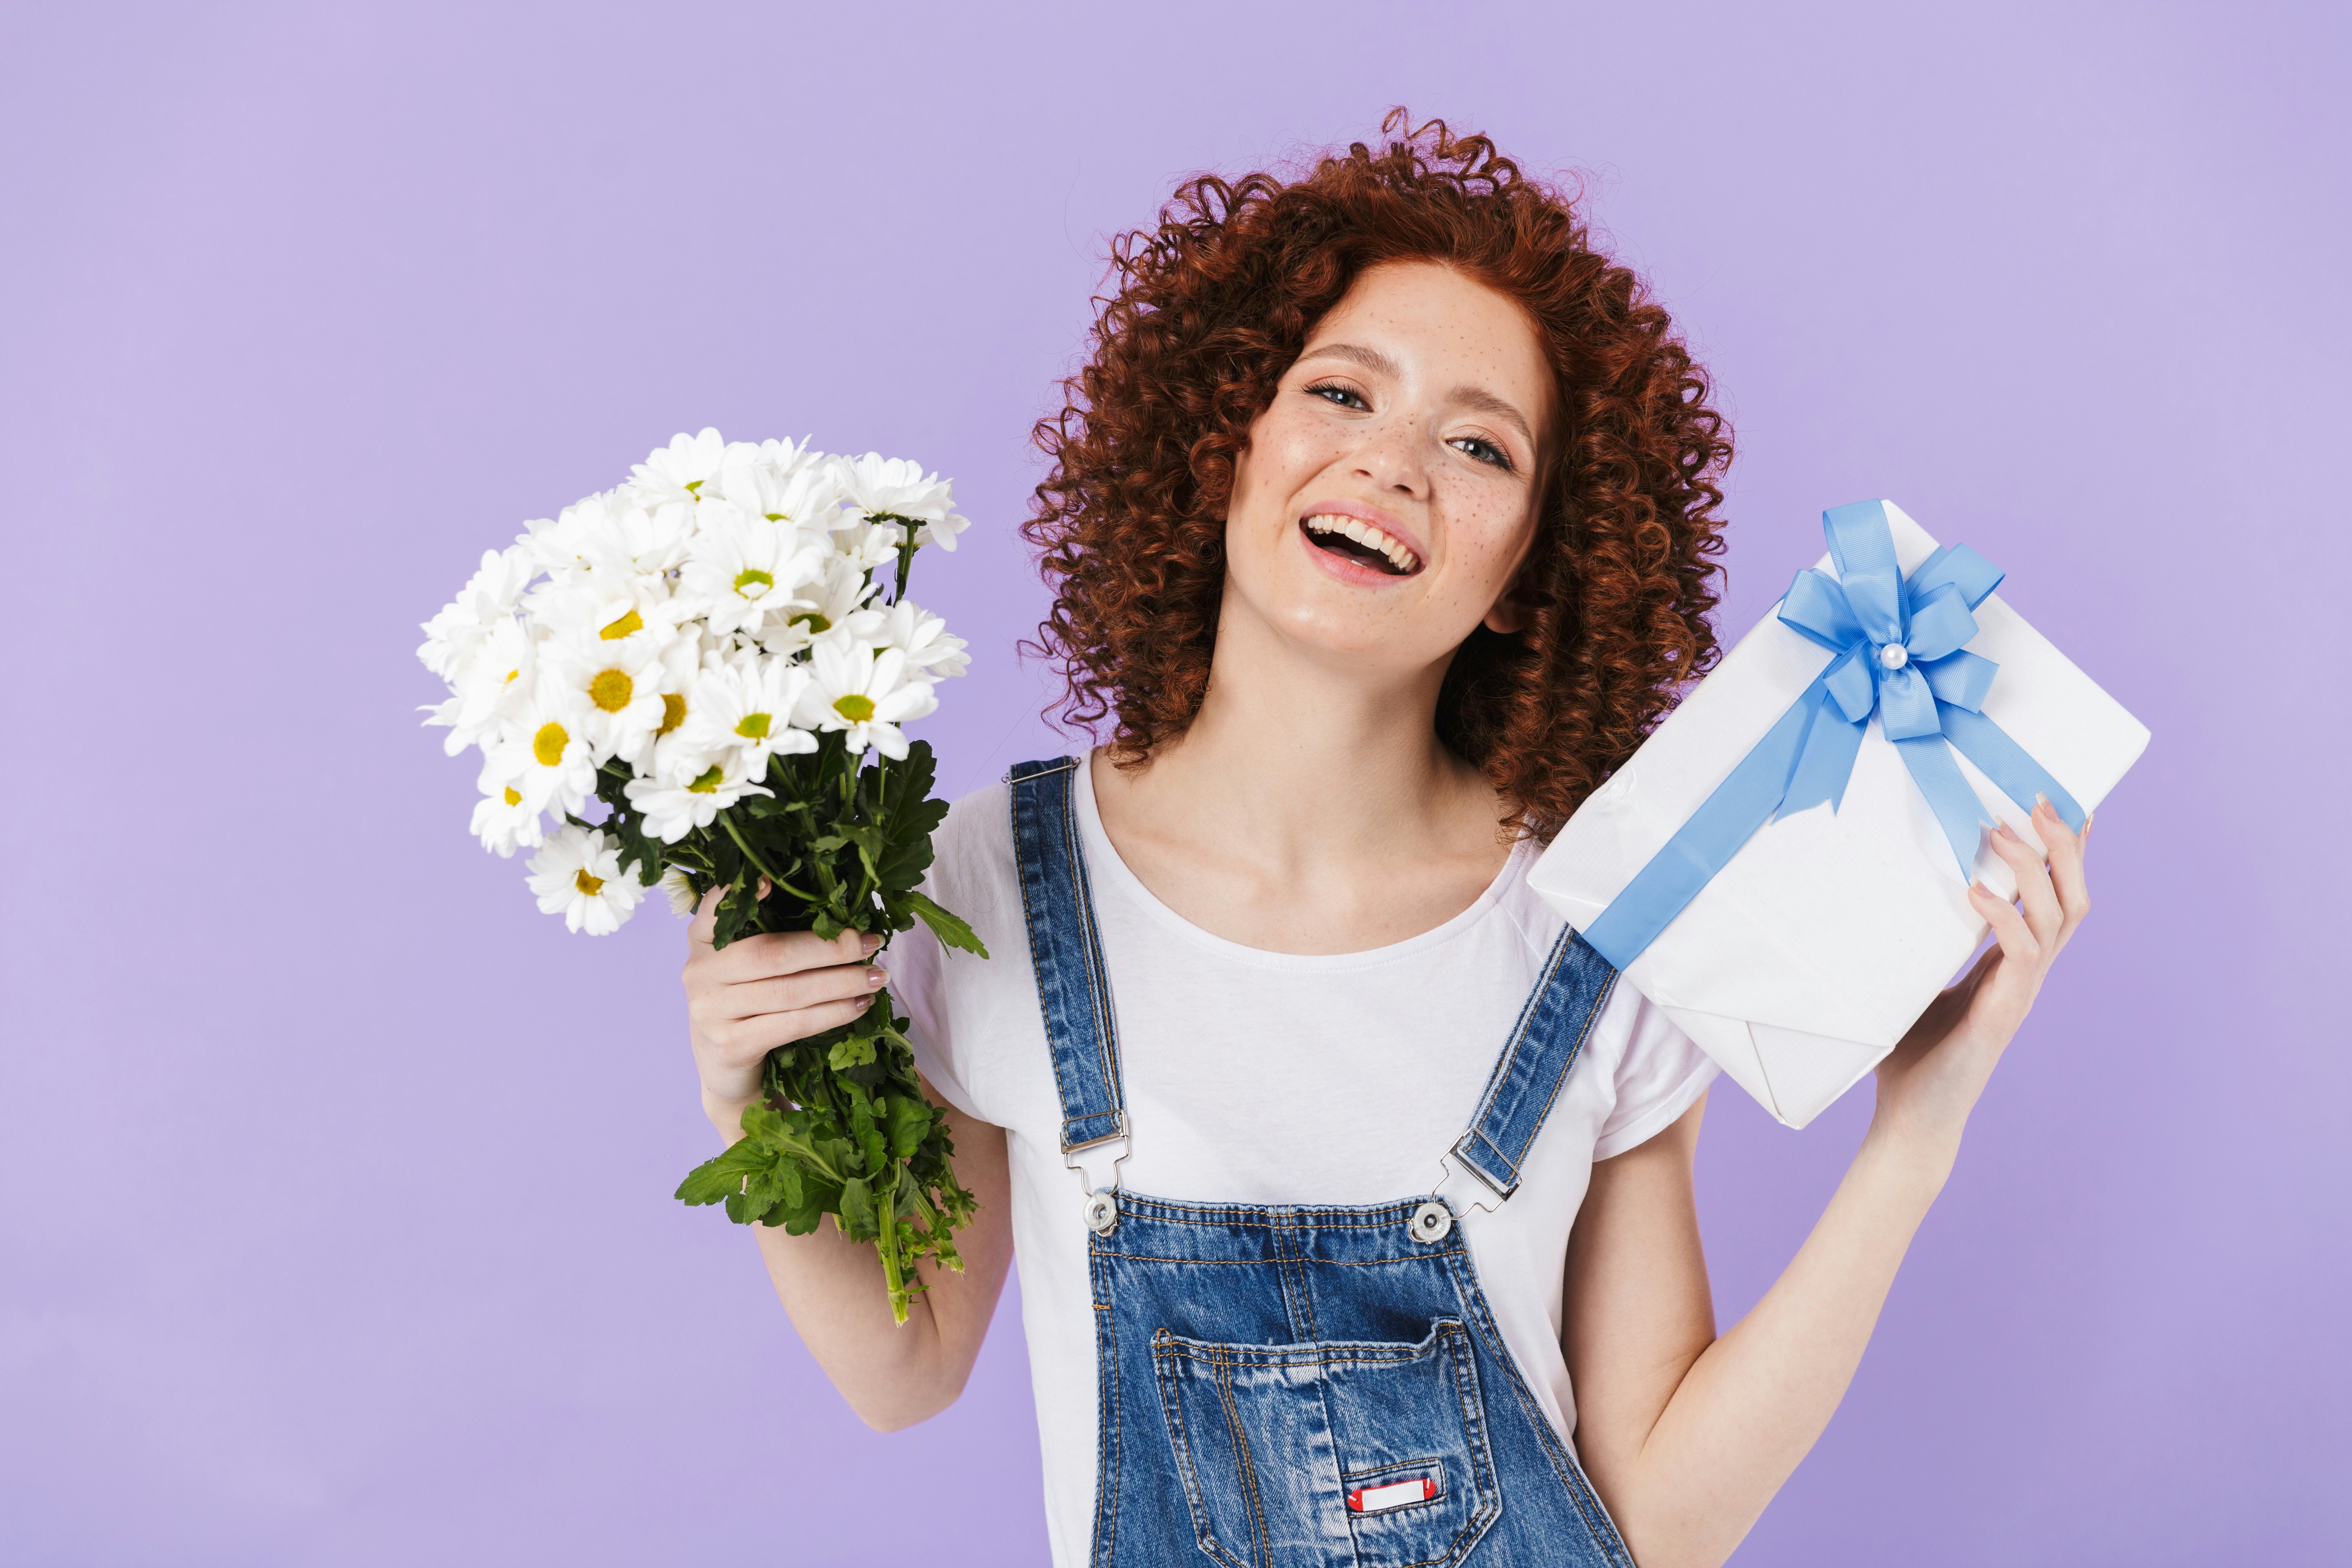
(1429, 1221)
(1102, 1213)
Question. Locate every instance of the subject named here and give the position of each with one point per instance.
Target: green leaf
(721, 1176)
(909, 1122)
(760, 1122)
(870, 843)
(737, 909)
(951, 930)
(871, 1146)
(858, 1217)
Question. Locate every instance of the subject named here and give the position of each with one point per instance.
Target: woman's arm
(766, 991)
(894, 1375)
(1687, 1436)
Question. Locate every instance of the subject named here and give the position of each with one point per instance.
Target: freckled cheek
(1285, 455)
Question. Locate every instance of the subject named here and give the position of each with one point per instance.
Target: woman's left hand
(1930, 1081)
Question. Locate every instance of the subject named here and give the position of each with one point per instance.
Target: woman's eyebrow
(1482, 401)
(1371, 360)
(1476, 398)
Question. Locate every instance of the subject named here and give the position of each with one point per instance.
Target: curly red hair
(1213, 306)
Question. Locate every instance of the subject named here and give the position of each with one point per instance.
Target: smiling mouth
(1360, 541)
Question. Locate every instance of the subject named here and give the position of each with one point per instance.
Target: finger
(2065, 866)
(704, 929)
(754, 1036)
(2033, 888)
(784, 952)
(2019, 946)
(791, 993)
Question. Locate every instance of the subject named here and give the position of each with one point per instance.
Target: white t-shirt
(1258, 1078)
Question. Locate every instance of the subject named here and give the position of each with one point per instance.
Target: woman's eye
(1485, 451)
(1345, 396)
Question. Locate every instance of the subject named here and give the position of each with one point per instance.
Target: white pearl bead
(1894, 656)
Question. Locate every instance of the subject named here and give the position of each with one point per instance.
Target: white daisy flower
(545, 752)
(923, 638)
(502, 818)
(631, 609)
(864, 693)
(609, 535)
(502, 668)
(740, 567)
(675, 472)
(748, 708)
(943, 530)
(807, 494)
(868, 543)
(683, 899)
(835, 599)
(617, 685)
(453, 637)
(673, 807)
(876, 483)
(680, 662)
(578, 876)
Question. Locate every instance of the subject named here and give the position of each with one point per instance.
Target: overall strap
(1559, 1014)
(1073, 988)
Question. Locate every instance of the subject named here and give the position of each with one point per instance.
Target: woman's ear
(1512, 612)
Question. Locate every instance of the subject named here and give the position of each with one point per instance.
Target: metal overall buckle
(1434, 1221)
(1101, 1208)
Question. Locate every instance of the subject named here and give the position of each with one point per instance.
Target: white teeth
(1365, 534)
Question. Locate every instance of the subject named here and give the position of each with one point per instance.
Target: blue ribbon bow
(1901, 654)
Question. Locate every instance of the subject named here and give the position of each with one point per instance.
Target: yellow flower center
(752, 577)
(856, 707)
(632, 622)
(816, 624)
(612, 689)
(514, 795)
(755, 727)
(515, 672)
(707, 783)
(549, 743)
(693, 487)
(777, 517)
(673, 712)
(586, 883)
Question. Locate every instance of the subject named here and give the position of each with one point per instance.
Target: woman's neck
(1309, 807)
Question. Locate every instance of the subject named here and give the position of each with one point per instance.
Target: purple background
(334, 1215)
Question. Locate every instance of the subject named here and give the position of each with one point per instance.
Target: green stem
(753, 855)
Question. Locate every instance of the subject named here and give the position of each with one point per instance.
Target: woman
(1380, 524)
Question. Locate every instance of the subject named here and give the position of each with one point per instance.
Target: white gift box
(1808, 956)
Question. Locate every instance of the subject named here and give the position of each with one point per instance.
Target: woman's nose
(1391, 459)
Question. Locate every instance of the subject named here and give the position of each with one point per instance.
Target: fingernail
(868, 942)
(2006, 831)
(876, 977)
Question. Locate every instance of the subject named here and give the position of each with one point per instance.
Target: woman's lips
(1363, 512)
(1347, 568)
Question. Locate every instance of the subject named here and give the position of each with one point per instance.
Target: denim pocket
(1273, 1442)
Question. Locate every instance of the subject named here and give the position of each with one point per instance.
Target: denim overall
(1300, 1384)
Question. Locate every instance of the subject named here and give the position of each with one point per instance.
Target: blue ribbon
(1900, 654)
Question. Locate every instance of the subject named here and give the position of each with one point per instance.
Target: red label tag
(1391, 1494)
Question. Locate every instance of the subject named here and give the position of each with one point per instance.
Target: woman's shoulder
(1534, 923)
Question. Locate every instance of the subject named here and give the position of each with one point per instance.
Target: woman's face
(1387, 497)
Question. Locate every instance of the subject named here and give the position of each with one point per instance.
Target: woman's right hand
(762, 992)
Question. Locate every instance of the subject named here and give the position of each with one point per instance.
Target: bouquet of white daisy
(703, 657)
